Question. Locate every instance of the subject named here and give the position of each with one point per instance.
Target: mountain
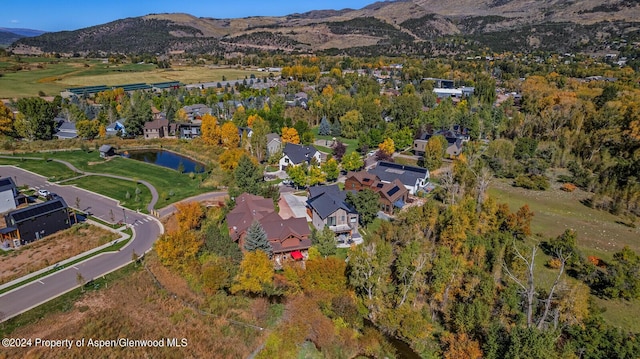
(22, 32)
(9, 35)
(390, 27)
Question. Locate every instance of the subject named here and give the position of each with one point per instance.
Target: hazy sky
(52, 15)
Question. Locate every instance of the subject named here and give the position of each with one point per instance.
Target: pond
(167, 159)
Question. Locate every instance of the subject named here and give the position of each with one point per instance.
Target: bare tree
(484, 179)
(450, 186)
(528, 286)
(80, 280)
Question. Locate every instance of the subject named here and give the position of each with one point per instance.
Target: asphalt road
(147, 229)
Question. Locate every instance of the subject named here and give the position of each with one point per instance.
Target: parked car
(51, 196)
(43, 193)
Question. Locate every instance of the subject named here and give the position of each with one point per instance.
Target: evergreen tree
(325, 241)
(248, 176)
(256, 239)
(336, 129)
(325, 127)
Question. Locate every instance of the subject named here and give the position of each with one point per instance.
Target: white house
(296, 154)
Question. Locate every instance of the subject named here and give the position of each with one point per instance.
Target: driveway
(293, 206)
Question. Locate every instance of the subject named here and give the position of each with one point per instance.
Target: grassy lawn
(116, 189)
(52, 170)
(352, 144)
(555, 211)
(172, 186)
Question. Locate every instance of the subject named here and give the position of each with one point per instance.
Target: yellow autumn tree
(229, 135)
(229, 159)
(182, 115)
(211, 132)
(6, 119)
(387, 146)
(252, 119)
(178, 249)
(189, 215)
(102, 131)
(255, 275)
(290, 135)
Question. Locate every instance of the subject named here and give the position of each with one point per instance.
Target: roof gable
(408, 175)
(37, 210)
(326, 200)
(298, 153)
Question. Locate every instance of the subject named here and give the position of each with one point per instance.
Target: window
(286, 160)
(331, 221)
(342, 219)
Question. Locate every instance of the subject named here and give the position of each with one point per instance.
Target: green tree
(330, 169)
(366, 203)
(256, 239)
(248, 175)
(405, 108)
(623, 275)
(352, 162)
(369, 272)
(351, 123)
(298, 174)
(35, 120)
(88, 129)
(325, 127)
(434, 151)
(315, 175)
(325, 241)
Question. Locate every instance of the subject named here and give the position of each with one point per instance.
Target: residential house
(66, 129)
(8, 194)
(327, 206)
(106, 151)
(455, 140)
(274, 144)
(195, 112)
(187, 131)
(392, 194)
(412, 177)
(156, 129)
(116, 128)
(296, 154)
(32, 223)
(289, 238)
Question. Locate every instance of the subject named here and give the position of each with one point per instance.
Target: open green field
(116, 189)
(598, 234)
(172, 186)
(54, 75)
(556, 210)
(54, 171)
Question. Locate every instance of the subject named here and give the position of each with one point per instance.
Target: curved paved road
(146, 230)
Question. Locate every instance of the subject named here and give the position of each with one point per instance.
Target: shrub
(537, 182)
(568, 187)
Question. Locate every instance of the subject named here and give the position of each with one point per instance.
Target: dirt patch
(52, 249)
(135, 308)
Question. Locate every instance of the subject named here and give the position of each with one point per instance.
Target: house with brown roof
(289, 238)
(156, 129)
(393, 194)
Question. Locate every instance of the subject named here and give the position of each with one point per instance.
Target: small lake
(167, 159)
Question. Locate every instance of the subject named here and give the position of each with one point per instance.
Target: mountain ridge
(397, 27)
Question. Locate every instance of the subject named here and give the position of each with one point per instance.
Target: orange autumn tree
(460, 346)
(189, 215)
(290, 135)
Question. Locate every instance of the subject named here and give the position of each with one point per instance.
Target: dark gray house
(35, 222)
(106, 151)
(8, 193)
(328, 207)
